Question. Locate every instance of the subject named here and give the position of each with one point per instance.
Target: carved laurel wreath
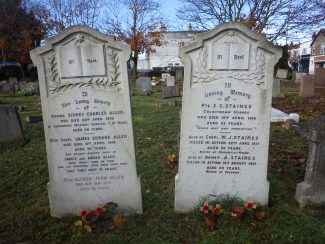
(256, 74)
(100, 82)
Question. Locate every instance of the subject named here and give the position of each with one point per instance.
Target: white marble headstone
(225, 116)
(87, 121)
(164, 75)
(170, 81)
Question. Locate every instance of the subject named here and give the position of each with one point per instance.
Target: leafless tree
(277, 18)
(59, 14)
(137, 25)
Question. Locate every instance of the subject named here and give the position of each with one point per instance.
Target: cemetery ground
(24, 203)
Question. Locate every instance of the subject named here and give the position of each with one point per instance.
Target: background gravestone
(320, 76)
(179, 74)
(307, 86)
(225, 116)
(282, 74)
(87, 120)
(4, 86)
(312, 189)
(170, 81)
(10, 124)
(171, 91)
(144, 86)
(276, 88)
(164, 75)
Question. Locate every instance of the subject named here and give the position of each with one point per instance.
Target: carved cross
(79, 39)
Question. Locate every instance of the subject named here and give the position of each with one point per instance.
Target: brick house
(317, 58)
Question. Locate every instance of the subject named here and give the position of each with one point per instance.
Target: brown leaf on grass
(210, 222)
(111, 227)
(287, 152)
(118, 220)
(280, 124)
(88, 228)
(78, 223)
(254, 225)
(302, 160)
(171, 158)
(260, 215)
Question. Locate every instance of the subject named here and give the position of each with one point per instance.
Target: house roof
(321, 31)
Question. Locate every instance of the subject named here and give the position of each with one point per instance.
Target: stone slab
(276, 88)
(10, 124)
(87, 121)
(298, 76)
(225, 116)
(307, 86)
(312, 190)
(279, 116)
(5, 87)
(170, 81)
(164, 75)
(179, 74)
(144, 86)
(320, 76)
(282, 74)
(171, 91)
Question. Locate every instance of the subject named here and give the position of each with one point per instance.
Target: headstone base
(171, 91)
(306, 194)
(186, 201)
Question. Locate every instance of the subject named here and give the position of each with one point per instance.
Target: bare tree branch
(277, 18)
(138, 26)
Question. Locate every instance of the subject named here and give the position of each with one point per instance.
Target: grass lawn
(24, 207)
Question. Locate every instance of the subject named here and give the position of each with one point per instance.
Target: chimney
(313, 36)
(163, 28)
(190, 27)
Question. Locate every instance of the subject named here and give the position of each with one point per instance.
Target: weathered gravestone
(170, 81)
(171, 91)
(320, 76)
(13, 82)
(4, 86)
(144, 86)
(282, 74)
(225, 116)
(179, 74)
(307, 86)
(276, 88)
(312, 190)
(10, 124)
(297, 76)
(87, 121)
(164, 75)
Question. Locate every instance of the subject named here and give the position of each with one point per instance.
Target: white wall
(167, 54)
(311, 65)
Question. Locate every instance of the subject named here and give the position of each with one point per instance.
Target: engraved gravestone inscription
(87, 121)
(225, 116)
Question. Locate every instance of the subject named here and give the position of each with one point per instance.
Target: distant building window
(295, 53)
(322, 49)
(181, 44)
(313, 50)
(304, 51)
(170, 64)
(176, 64)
